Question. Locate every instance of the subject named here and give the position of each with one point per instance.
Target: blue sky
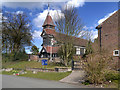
(91, 13)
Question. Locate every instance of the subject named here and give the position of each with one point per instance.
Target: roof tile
(48, 21)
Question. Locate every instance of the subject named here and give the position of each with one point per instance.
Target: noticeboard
(44, 62)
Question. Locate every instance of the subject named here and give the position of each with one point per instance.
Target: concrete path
(9, 81)
(75, 77)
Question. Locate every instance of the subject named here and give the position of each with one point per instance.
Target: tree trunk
(66, 62)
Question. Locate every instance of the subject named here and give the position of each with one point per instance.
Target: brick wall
(34, 57)
(110, 35)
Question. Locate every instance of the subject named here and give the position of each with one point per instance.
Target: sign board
(44, 62)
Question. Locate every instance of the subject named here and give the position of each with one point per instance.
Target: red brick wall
(34, 57)
(109, 35)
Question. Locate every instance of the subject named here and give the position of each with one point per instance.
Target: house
(51, 40)
(109, 35)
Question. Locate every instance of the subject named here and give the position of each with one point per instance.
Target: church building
(50, 45)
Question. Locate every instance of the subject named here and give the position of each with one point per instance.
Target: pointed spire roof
(48, 21)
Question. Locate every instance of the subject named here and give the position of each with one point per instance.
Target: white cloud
(75, 3)
(36, 34)
(89, 32)
(94, 34)
(29, 5)
(0, 17)
(105, 17)
(85, 27)
(30, 14)
(27, 25)
(39, 20)
(91, 27)
(19, 12)
(33, 5)
(41, 5)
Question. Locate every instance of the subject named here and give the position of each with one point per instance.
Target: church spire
(48, 8)
(48, 21)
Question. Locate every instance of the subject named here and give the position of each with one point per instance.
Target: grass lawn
(34, 64)
(24, 64)
(43, 75)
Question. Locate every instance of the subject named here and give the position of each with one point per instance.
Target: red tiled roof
(54, 49)
(48, 21)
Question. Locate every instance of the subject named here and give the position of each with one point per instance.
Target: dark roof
(76, 40)
(65, 38)
(48, 21)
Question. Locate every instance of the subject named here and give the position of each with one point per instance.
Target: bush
(6, 57)
(56, 64)
(20, 56)
(94, 67)
(14, 56)
(111, 75)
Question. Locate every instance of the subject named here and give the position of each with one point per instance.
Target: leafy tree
(34, 49)
(16, 32)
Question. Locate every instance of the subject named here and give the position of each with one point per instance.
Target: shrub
(56, 64)
(86, 83)
(94, 67)
(111, 75)
(14, 56)
(6, 57)
(20, 56)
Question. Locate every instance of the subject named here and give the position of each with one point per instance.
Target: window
(116, 53)
(43, 34)
(43, 50)
(51, 27)
(81, 51)
(77, 50)
(52, 41)
(42, 55)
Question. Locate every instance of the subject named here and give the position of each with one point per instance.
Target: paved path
(74, 77)
(9, 81)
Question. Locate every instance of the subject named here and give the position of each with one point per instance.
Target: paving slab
(75, 77)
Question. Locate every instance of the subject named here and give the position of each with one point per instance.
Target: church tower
(48, 23)
(48, 34)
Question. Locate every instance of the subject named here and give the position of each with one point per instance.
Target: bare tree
(68, 27)
(69, 24)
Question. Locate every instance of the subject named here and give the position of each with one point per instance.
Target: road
(9, 81)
